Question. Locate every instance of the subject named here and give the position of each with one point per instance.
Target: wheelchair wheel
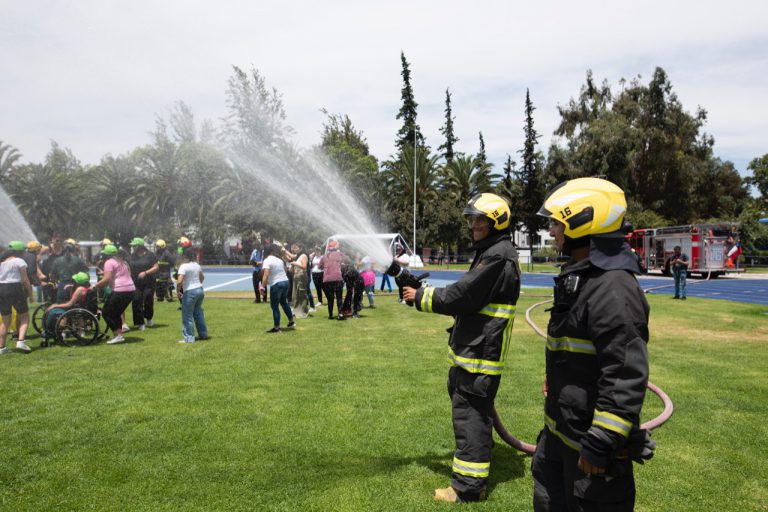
(77, 328)
(37, 317)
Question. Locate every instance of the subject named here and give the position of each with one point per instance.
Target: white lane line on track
(227, 283)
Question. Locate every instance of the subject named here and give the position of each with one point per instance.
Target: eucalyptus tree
(347, 151)
(759, 179)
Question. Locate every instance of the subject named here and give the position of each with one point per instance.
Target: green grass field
(352, 416)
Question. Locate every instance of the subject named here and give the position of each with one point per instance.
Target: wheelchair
(75, 327)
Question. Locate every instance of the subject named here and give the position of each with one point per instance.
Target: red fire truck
(710, 247)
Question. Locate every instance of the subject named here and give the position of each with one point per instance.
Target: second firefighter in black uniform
(483, 303)
(596, 358)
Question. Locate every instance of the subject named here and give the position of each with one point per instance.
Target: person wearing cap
(32, 259)
(117, 275)
(482, 303)
(596, 357)
(144, 266)
(165, 262)
(333, 280)
(64, 268)
(15, 289)
(80, 298)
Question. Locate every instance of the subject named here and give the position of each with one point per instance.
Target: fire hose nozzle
(406, 278)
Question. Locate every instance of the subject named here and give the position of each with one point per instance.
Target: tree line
(190, 177)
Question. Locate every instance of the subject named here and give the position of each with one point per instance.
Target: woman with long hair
(117, 275)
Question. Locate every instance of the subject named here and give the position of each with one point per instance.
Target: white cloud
(93, 74)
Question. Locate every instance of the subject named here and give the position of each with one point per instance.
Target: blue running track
(737, 289)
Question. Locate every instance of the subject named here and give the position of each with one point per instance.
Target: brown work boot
(450, 495)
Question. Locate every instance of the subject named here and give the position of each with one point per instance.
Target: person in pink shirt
(117, 275)
(333, 283)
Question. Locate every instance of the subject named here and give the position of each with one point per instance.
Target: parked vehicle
(713, 249)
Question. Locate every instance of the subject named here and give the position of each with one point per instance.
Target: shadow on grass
(508, 464)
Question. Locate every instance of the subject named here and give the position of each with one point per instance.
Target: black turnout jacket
(596, 356)
(483, 304)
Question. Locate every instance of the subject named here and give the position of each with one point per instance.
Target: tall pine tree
(481, 156)
(405, 136)
(447, 131)
(530, 176)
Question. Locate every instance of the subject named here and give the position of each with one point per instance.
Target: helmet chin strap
(574, 243)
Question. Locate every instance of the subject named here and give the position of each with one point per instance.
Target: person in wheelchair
(82, 297)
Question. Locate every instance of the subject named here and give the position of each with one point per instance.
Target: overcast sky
(93, 75)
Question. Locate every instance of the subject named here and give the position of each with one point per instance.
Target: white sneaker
(150, 323)
(5, 350)
(312, 310)
(142, 327)
(125, 328)
(117, 339)
(185, 341)
(20, 345)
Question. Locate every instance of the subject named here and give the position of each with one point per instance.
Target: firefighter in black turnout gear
(165, 261)
(483, 304)
(596, 357)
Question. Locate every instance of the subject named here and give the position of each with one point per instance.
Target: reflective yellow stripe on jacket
(568, 344)
(505, 311)
(612, 422)
(426, 299)
(552, 426)
(475, 469)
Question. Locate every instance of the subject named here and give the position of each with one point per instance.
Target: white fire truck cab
(709, 247)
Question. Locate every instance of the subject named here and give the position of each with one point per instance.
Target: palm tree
(8, 158)
(398, 178)
(467, 176)
(47, 198)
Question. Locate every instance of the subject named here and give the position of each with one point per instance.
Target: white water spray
(12, 223)
(310, 185)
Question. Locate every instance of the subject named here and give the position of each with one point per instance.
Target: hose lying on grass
(528, 448)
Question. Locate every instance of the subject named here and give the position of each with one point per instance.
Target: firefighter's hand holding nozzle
(410, 282)
(409, 294)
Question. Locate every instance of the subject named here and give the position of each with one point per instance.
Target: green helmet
(109, 250)
(81, 278)
(137, 242)
(17, 246)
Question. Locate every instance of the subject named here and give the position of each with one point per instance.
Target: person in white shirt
(191, 279)
(274, 275)
(15, 290)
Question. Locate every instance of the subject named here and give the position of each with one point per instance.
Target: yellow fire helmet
(106, 242)
(491, 206)
(70, 241)
(34, 246)
(160, 243)
(586, 206)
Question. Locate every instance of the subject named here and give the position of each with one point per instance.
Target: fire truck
(713, 249)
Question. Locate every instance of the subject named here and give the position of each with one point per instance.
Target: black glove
(640, 446)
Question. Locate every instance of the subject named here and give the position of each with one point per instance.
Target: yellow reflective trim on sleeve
(475, 469)
(499, 310)
(475, 365)
(426, 300)
(568, 344)
(612, 422)
(552, 426)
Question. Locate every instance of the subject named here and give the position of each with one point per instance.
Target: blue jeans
(680, 277)
(192, 314)
(278, 296)
(385, 280)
